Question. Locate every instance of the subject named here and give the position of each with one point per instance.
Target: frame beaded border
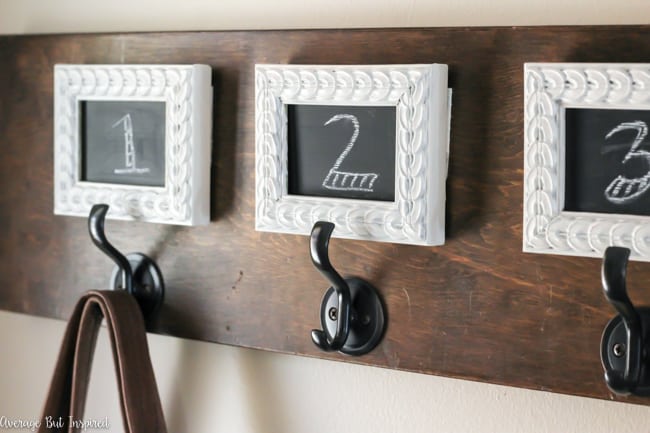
(187, 92)
(549, 88)
(422, 101)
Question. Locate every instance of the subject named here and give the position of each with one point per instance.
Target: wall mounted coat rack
(476, 308)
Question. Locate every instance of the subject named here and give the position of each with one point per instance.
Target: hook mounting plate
(367, 320)
(613, 351)
(148, 286)
(612, 347)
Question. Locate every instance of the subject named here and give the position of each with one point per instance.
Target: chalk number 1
(129, 148)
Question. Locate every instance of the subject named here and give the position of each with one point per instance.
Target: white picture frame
(422, 100)
(187, 92)
(549, 89)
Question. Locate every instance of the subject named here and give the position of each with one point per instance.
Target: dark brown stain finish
(476, 308)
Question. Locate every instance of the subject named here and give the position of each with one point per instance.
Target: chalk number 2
(624, 190)
(347, 180)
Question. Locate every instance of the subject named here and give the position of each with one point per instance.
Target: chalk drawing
(623, 190)
(343, 180)
(129, 148)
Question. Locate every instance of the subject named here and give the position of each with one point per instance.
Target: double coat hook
(136, 273)
(624, 348)
(352, 314)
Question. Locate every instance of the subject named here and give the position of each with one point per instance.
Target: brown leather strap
(139, 399)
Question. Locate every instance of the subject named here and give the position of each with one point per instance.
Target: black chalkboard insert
(123, 142)
(342, 151)
(607, 161)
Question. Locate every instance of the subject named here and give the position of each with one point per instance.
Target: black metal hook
(623, 348)
(352, 314)
(136, 273)
(319, 249)
(96, 229)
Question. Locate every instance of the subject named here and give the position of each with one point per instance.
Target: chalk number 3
(624, 190)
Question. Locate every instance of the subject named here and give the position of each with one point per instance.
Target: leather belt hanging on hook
(137, 293)
(139, 399)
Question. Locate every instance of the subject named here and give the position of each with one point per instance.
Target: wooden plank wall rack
(476, 308)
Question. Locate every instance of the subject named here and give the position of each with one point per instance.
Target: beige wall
(212, 388)
(41, 16)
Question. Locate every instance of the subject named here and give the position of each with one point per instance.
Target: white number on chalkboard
(129, 148)
(347, 181)
(622, 189)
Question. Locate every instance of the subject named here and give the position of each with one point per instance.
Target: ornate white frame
(550, 88)
(187, 92)
(422, 101)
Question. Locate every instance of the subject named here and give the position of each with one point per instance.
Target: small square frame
(187, 92)
(422, 101)
(550, 88)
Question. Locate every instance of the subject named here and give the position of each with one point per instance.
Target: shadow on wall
(187, 375)
(265, 410)
(196, 397)
(202, 393)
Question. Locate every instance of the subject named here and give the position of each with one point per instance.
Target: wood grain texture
(476, 308)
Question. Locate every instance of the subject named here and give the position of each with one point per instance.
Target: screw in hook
(618, 349)
(333, 314)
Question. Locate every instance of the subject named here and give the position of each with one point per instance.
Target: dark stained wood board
(476, 308)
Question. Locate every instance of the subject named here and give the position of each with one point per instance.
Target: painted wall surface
(38, 16)
(213, 388)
